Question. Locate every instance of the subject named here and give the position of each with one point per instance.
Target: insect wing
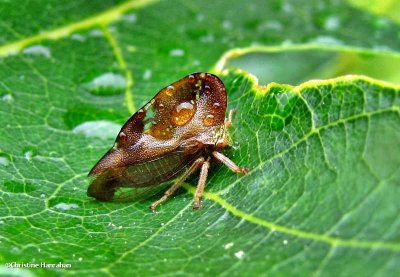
(178, 112)
(159, 140)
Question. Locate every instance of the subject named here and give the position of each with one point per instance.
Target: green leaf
(322, 194)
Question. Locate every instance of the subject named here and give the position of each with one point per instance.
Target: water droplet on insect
(107, 84)
(191, 76)
(65, 206)
(183, 113)
(209, 120)
(122, 135)
(38, 50)
(170, 90)
(184, 105)
(216, 105)
(103, 129)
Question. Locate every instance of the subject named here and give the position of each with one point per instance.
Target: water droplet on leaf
(107, 84)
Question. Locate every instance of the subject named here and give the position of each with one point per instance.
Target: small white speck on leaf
(147, 74)
(285, 242)
(38, 50)
(176, 53)
(239, 254)
(228, 245)
(65, 206)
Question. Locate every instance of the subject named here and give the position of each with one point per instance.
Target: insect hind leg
(196, 165)
(201, 184)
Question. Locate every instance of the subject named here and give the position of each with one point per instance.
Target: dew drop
(28, 155)
(170, 90)
(176, 53)
(42, 195)
(78, 37)
(131, 18)
(207, 39)
(228, 245)
(183, 113)
(216, 105)
(122, 135)
(65, 206)
(331, 23)
(107, 84)
(209, 120)
(285, 242)
(287, 8)
(147, 74)
(4, 160)
(184, 105)
(226, 24)
(200, 17)
(38, 50)
(15, 250)
(191, 77)
(29, 152)
(7, 98)
(326, 40)
(103, 129)
(96, 33)
(239, 254)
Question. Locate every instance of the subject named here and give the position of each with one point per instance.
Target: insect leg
(201, 184)
(228, 123)
(196, 165)
(229, 163)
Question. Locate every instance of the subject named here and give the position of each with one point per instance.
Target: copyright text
(37, 265)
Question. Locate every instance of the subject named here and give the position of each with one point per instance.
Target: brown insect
(177, 132)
